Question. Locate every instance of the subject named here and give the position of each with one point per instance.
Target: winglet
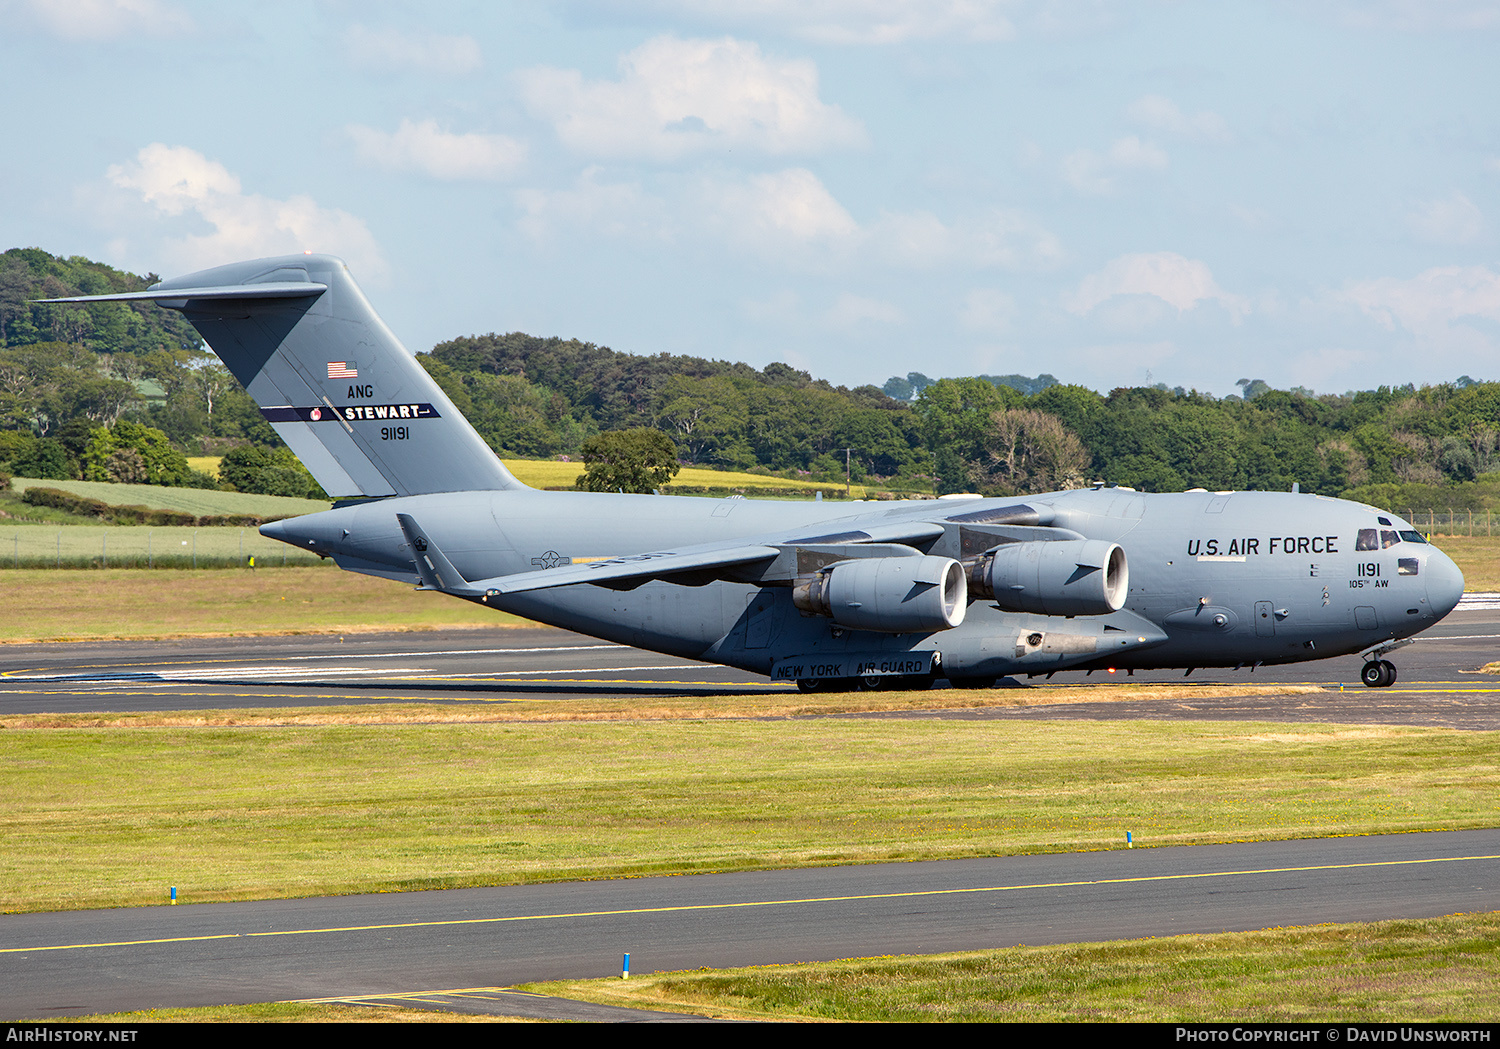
(435, 570)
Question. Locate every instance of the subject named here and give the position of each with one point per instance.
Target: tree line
(122, 391)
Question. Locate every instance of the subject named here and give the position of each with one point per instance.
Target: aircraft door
(760, 616)
(1265, 623)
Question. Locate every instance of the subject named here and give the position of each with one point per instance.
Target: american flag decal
(342, 370)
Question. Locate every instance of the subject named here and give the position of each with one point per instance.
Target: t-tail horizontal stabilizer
(354, 405)
(435, 570)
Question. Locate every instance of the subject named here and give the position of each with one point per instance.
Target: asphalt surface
(1438, 684)
(465, 945)
(460, 949)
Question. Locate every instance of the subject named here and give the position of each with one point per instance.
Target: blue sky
(1115, 193)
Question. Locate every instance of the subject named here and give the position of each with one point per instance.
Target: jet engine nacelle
(895, 595)
(1079, 577)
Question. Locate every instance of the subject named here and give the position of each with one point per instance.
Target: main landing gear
(867, 683)
(1378, 673)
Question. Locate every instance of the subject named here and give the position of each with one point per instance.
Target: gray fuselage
(1215, 579)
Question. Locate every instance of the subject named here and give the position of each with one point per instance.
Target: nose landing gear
(1379, 672)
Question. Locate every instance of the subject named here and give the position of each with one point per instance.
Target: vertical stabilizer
(353, 403)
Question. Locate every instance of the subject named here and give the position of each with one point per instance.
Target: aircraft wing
(633, 569)
(760, 559)
(756, 560)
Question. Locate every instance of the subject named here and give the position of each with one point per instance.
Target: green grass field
(40, 604)
(1429, 971)
(1478, 558)
(111, 811)
(113, 816)
(201, 502)
(142, 546)
(549, 473)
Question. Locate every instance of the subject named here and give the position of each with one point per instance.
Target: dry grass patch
(1478, 557)
(282, 1012)
(779, 704)
(1427, 971)
(45, 605)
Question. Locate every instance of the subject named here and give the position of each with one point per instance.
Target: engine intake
(894, 595)
(1087, 577)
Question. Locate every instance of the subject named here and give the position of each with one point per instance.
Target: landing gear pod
(894, 595)
(1086, 577)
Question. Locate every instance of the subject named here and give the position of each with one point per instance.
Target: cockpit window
(1406, 566)
(1384, 538)
(1383, 520)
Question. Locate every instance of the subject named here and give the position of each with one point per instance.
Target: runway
(1438, 684)
(455, 949)
(362, 948)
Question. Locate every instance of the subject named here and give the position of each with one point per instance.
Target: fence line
(1452, 522)
(125, 546)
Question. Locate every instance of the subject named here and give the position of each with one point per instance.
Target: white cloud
(1011, 240)
(787, 215)
(178, 181)
(1453, 219)
(791, 216)
(679, 97)
(619, 209)
(783, 308)
(1430, 301)
(788, 218)
(1332, 365)
(1420, 15)
(1180, 282)
(1117, 363)
(988, 310)
(1095, 173)
(441, 154)
(107, 19)
(995, 237)
(1249, 217)
(402, 51)
(778, 210)
(844, 21)
(1159, 113)
(853, 311)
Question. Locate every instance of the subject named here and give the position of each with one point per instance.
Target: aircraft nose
(1445, 584)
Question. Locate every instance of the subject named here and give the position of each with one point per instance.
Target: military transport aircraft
(827, 594)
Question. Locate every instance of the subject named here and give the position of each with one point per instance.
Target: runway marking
(341, 655)
(1462, 689)
(487, 993)
(570, 670)
(972, 890)
(443, 698)
(241, 674)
